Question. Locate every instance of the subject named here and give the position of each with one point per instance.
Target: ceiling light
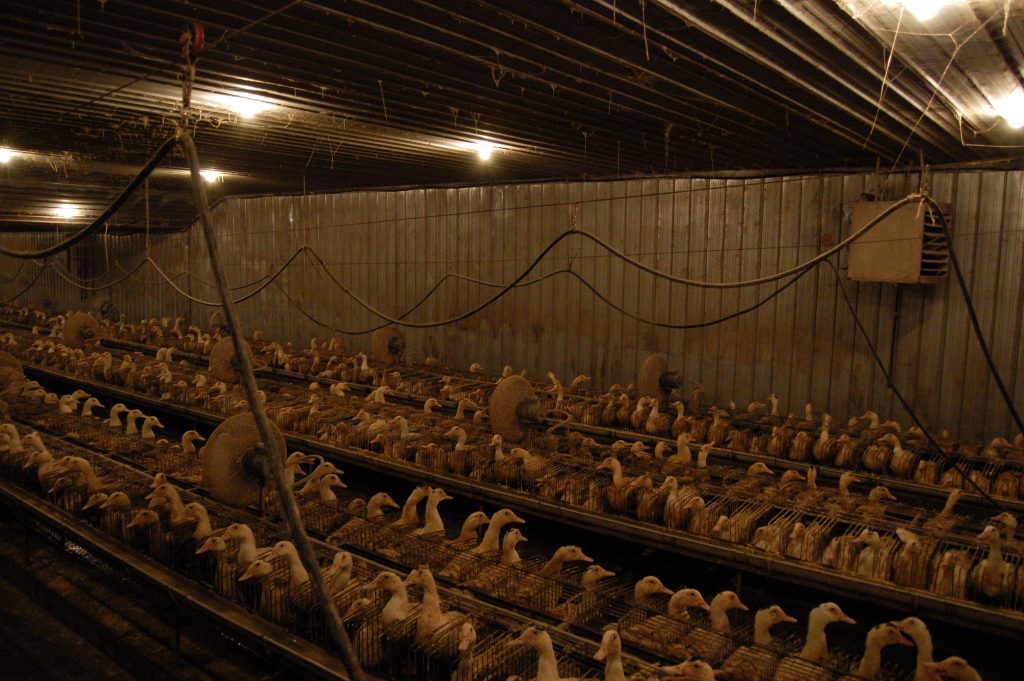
(245, 107)
(6, 154)
(211, 175)
(1011, 108)
(484, 149)
(923, 10)
(66, 211)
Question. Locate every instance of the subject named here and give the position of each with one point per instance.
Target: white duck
(794, 667)
(547, 665)
(993, 577)
(611, 652)
(114, 418)
(918, 632)
(757, 662)
(879, 637)
(432, 618)
(432, 521)
(148, 424)
(954, 668)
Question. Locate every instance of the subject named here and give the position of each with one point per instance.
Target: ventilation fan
(655, 380)
(223, 363)
(513, 402)
(387, 345)
(104, 309)
(236, 466)
(81, 329)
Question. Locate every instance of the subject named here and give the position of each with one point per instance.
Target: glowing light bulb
(484, 149)
(66, 211)
(211, 175)
(6, 154)
(1011, 108)
(245, 107)
(924, 10)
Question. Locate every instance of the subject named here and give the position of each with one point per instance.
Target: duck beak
(666, 590)
(585, 558)
(904, 641)
(519, 640)
(704, 605)
(742, 607)
(601, 653)
(787, 618)
(248, 574)
(847, 619)
(517, 519)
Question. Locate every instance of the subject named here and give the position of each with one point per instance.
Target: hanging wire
(162, 151)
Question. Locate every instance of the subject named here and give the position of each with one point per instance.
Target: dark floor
(64, 615)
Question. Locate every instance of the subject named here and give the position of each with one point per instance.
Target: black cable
(96, 224)
(975, 324)
(899, 396)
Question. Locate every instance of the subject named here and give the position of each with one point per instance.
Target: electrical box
(907, 247)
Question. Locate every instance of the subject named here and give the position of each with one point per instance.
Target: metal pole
(277, 457)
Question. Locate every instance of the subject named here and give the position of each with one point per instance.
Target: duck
(298, 576)
(130, 418)
(753, 481)
(470, 526)
(815, 649)
(944, 520)
(397, 607)
(432, 619)
(621, 495)
(466, 562)
(713, 644)
(952, 574)
(486, 579)
(879, 636)
(650, 505)
(691, 670)
(642, 622)
(583, 603)
(757, 662)
(917, 630)
(148, 424)
(90, 404)
(338, 575)
(954, 668)
(993, 577)
(432, 521)
(540, 640)
(167, 495)
(114, 417)
(610, 652)
(909, 563)
(272, 598)
(410, 516)
(543, 590)
(873, 560)
(247, 549)
(197, 512)
(311, 486)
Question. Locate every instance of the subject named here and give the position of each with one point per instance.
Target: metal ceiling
(384, 93)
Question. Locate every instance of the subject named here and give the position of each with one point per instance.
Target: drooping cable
(103, 287)
(29, 285)
(99, 222)
(899, 395)
(972, 313)
(276, 456)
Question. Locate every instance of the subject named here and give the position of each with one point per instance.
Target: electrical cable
(162, 151)
(30, 284)
(972, 313)
(248, 295)
(899, 396)
(276, 456)
(60, 273)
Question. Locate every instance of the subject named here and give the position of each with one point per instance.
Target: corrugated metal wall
(392, 247)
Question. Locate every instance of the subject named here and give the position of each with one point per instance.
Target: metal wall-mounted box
(907, 247)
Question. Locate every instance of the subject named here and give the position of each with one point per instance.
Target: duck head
(648, 586)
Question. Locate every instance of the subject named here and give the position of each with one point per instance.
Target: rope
(27, 286)
(96, 224)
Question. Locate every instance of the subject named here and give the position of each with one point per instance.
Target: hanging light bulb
(484, 149)
(923, 10)
(66, 211)
(1011, 108)
(6, 154)
(211, 175)
(245, 107)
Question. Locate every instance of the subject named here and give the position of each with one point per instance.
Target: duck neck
(613, 670)
(397, 605)
(719, 618)
(554, 565)
(460, 411)
(375, 509)
(923, 643)
(871, 663)
(499, 453)
(410, 512)
(203, 528)
(297, 570)
(995, 552)
(617, 478)
(403, 427)
(246, 550)
(762, 631)
(547, 665)
(432, 519)
(468, 532)
(490, 541)
(460, 442)
(431, 600)
(823, 437)
(115, 419)
(509, 555)
(816, 646)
